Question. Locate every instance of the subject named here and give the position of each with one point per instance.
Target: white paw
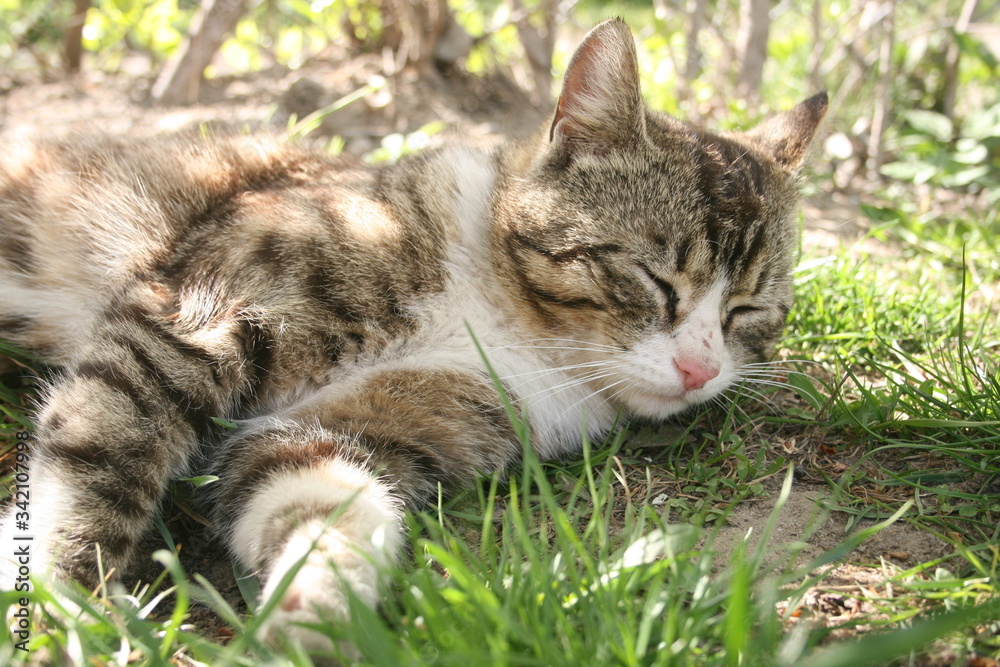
(329, 565)
(338, 526)
(335, 523)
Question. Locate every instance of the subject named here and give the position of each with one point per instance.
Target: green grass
(528, 575)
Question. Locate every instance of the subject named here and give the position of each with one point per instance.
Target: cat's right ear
(601, 104)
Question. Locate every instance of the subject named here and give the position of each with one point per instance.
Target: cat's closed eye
(736, 313)
(666, 289)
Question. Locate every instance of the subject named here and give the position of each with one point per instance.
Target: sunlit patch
(204, 168)
(200, 305)
(367, 220)
(20, 160)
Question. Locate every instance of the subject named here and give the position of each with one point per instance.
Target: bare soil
(475, 109)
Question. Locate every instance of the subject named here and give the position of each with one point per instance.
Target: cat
(619, 262)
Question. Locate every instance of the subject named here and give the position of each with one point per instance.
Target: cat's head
(660, 254)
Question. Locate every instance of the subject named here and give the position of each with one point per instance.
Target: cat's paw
(331, 567)
(321, 536)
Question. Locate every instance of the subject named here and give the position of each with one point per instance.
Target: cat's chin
(657, 405)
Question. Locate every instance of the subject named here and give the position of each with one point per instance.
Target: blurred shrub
(932, 149)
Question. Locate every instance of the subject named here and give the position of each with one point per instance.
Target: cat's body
(620, 262)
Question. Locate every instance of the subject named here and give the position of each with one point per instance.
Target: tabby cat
(619, 262)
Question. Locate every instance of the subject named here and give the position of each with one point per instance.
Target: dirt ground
(477, 110)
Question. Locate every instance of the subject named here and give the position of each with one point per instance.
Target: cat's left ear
(600, 104)
(786, 136)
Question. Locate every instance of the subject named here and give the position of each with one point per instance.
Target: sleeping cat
(619, 262)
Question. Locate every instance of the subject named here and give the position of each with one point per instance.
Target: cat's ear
(786, 136)
(600, 104)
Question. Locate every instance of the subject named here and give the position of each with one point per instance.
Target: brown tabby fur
(620, 261)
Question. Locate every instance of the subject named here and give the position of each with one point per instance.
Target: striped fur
(620, 261)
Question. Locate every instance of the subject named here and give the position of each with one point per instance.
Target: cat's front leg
(323, 489)
(120, 424)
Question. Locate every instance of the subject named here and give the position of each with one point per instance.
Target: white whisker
(551, 343)
(561, 369)
(750, 391)
(730, 403)
(759, 374)
(568, 384)
(596, 392)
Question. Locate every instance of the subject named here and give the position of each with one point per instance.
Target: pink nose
(695, 375)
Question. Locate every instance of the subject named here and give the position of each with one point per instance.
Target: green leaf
(807, 390)
(932, 123)
(248, 584)
(660, 543)
(966, 176)
(968, 510)
(165, 533)
(226, 424)
(970, 151)
(882, 648)
(879, 213)
(983, 124)
(975, 48)
(915, 171)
